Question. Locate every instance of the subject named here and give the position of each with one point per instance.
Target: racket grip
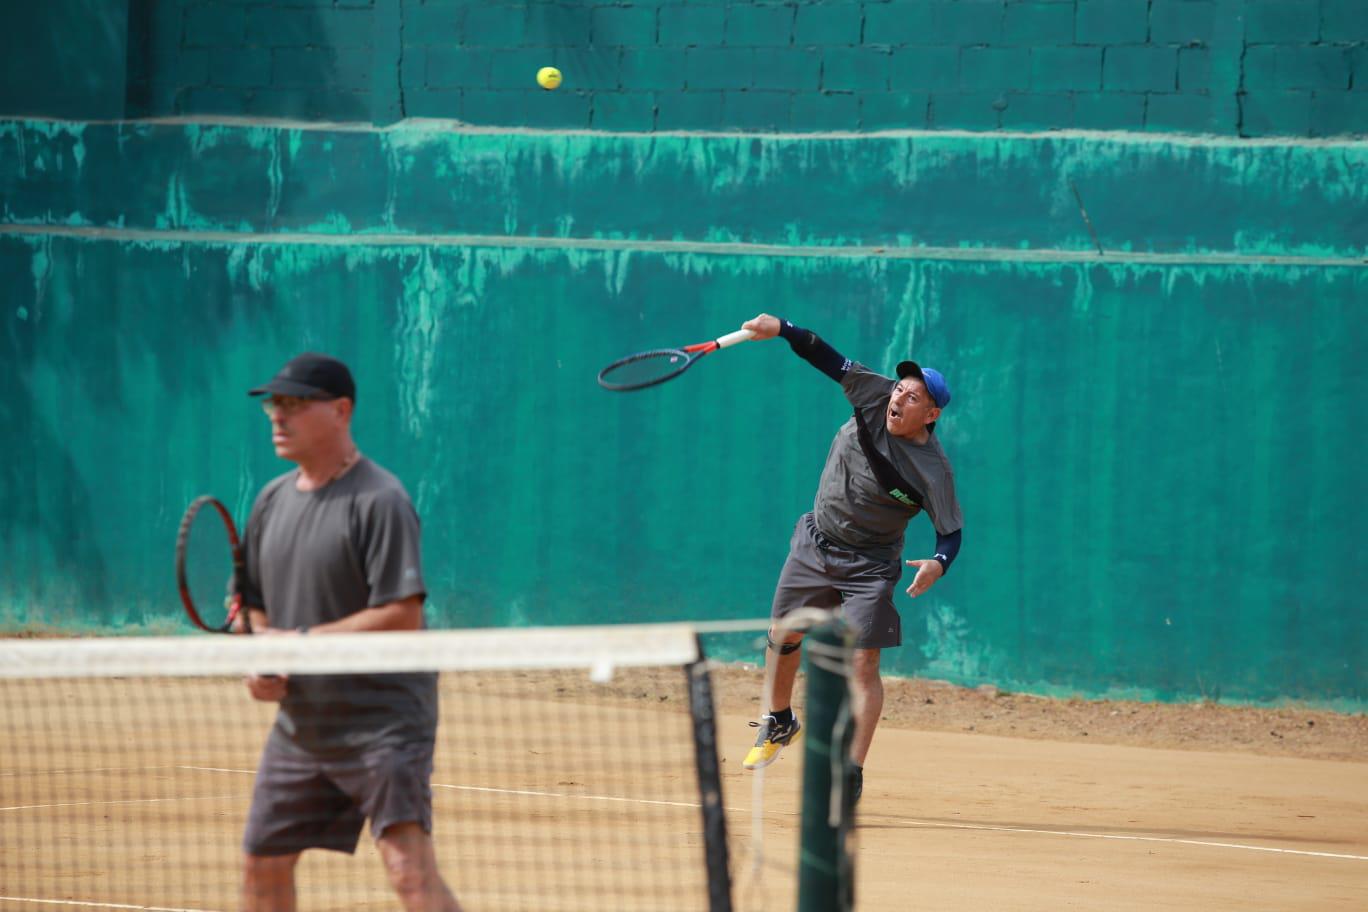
(741, 335)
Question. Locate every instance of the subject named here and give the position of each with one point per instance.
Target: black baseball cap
(310, 376)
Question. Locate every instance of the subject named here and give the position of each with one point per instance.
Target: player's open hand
(763, 326)
(928, 571)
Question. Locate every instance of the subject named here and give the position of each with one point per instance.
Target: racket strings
(645, 369)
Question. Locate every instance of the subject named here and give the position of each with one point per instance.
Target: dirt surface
(978, 799)
(926, 705)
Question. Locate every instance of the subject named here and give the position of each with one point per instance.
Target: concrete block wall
(1231, 67)
(306, 59)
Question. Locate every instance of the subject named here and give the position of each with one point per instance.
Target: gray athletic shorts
(821, 573)
(303, 801)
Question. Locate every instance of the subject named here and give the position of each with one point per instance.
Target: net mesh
(127, 768)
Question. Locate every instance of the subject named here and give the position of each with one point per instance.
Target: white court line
(98, 905)
(504, 791)
(687, 804)
(66, 804)
(216, 769)
(537, 794)
(933, 824)
(98, 769)
(922, 823)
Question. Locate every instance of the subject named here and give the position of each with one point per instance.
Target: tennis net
(574, 769)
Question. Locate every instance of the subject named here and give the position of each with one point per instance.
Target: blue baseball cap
(932, 379)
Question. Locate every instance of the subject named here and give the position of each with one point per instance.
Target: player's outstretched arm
(805, 343)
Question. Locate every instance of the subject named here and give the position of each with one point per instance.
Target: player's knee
(409, 861)
(792, 643)
(268, 872)
(406, 881)
(400, 865)
(411, 878)
(865, 664)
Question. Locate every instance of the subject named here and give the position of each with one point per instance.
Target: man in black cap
(885, 466)
(333, 546)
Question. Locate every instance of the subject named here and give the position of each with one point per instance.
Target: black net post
(826, 876)
(702, 711)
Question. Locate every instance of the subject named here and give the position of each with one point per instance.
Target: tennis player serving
(330, 547)
(884, 467)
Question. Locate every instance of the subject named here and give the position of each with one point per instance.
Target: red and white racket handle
(741, 335)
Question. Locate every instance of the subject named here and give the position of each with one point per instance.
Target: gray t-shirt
(318, 556)
(851, 506)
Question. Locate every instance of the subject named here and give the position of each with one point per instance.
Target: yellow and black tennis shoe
(773, 738)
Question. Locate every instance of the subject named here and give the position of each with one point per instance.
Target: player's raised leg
(779, 727)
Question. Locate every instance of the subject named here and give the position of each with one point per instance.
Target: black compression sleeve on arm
(947, 546)
(810, 347)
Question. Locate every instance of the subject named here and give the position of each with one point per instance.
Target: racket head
(209, 567)
(645, 369)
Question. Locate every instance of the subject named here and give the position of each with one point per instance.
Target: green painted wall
(1228, 67)
(1158, 447)
(1206, 197)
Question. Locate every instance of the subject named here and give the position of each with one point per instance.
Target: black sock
(783, 716)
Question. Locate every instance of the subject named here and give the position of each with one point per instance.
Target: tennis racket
(209, 567)
(650, 368)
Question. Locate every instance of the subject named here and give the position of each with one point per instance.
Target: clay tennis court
(538, 813)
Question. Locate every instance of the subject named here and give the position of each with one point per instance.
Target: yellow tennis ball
(548, 77)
